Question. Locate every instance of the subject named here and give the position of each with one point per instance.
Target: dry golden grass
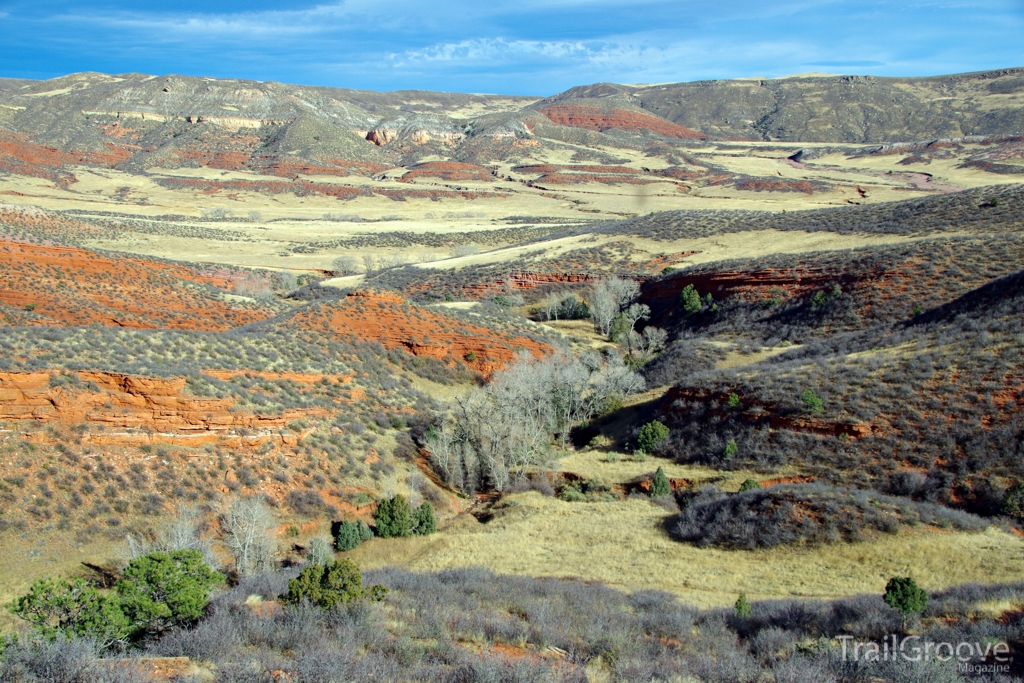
(30, 556)
(625, 545)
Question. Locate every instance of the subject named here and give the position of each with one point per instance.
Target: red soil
(756, 285)
(18, 155)
(798, 479)
(592, 118)
(447, 170)
(76, 287)
(387, 318)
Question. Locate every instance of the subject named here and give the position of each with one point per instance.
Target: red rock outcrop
(593, 118)
(117, 400)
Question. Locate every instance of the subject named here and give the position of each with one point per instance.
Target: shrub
(393, 517)
(742, 607)
(734, 400)
(749, 485)
(812, 402)
(348, 535)
(691, 301)
(903, 594)
(424, 520)
(59, 608)
(660, 485)
(166, 588)
(731, 449)
(328, 586)
(1013, 501)
(652, 436)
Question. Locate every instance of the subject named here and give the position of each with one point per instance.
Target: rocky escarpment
(157, 406)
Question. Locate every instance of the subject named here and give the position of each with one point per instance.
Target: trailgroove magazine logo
(972, 657)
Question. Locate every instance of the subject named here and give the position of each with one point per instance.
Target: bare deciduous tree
(344, 265)
(183, 531)
(607, 297)
(246, 524)
(497, 433)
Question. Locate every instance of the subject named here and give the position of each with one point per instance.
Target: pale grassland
(626, 545)
(738, 359)
(578, 332)
(622, 468)
(30, 556)
(274, 235)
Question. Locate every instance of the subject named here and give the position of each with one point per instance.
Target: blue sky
(531, 47)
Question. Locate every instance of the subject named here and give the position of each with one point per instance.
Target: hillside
(838, 109)
(632, 383)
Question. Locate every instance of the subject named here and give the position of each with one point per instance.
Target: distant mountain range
(136, 121)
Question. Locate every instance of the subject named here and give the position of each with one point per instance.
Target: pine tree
(425, 523)
(393, 517)
(691, 300)
(742, 607)
(660, 485)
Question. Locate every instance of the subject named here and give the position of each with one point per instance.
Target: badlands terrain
(216, 291)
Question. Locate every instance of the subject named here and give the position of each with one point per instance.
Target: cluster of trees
(492, 436)
(395, 517)
(156, 591)
(328, 585)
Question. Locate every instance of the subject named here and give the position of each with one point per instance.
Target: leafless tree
(183, 531)
(497, 433)
(252, 285)
(320, 551)
(369, 263)
(607, 297)
(344, 265)
(246, 529)
(632, 315)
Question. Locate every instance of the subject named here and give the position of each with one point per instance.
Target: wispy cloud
(533, 46)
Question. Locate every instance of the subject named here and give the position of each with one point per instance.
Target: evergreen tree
(349, 535)
(328, 586)
(691, 300)
(72, 609)
(903, 594)
(167, 588)
(812, 402)
(742, 607)
(425, 523)
(660, 485)
(652, 435)
(393, 517)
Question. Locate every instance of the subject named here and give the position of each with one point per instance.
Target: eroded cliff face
(159, 407)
